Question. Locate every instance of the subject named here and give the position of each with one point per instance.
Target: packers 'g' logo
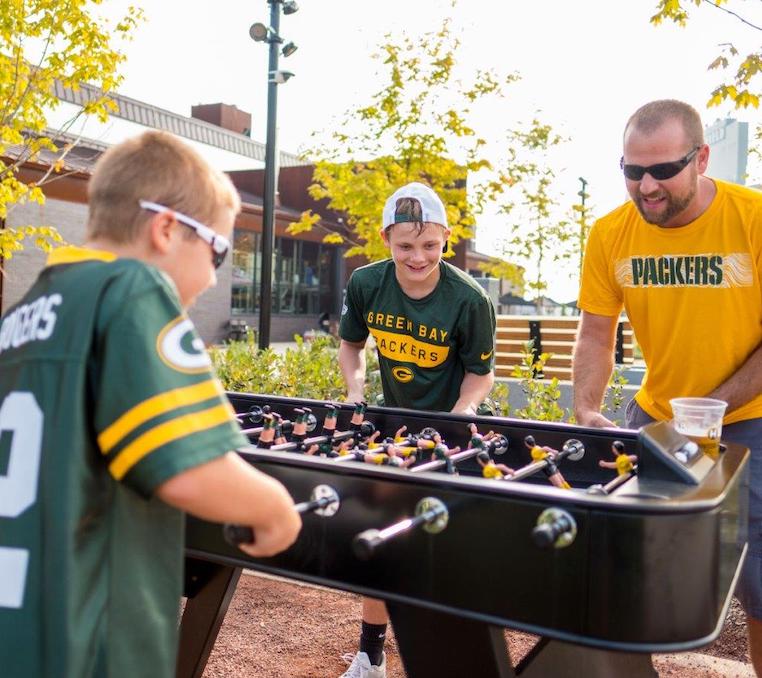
(402, 374)
(179, 347)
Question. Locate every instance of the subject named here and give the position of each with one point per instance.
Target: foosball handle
(365, 543)
(324, 501)
(237, 534)
(555, 527)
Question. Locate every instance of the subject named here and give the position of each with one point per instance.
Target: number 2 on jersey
(22, 417)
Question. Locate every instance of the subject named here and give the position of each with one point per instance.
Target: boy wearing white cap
(434, 329)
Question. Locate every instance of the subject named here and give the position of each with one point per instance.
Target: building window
(302, 273)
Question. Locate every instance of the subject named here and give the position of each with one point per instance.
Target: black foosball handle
(555, 528)
(324, 501)
(431, 513)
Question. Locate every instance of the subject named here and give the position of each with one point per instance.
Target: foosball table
(609, 545)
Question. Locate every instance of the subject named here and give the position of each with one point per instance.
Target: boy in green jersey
(112, 424)
(434, 329)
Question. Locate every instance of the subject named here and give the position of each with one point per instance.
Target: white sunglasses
(220, 244)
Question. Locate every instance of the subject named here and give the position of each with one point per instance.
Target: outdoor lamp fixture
(259, 32)
(279, 77)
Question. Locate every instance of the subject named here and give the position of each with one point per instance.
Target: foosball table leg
(210, 588)
(437, 644)
(556, 658)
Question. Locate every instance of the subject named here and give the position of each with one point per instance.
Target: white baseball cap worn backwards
(432, 209)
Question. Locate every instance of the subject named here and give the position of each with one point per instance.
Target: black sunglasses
(660, 171)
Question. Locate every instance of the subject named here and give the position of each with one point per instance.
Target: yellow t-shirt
(692, 294)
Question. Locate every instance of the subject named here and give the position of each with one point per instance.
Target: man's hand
(594, 419)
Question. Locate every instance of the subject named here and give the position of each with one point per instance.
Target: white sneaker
(362, 668)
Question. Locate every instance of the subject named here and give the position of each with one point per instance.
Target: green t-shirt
(425, 346)
(105, 393)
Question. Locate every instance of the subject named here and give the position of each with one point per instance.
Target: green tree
(743, 86)
(417, 127)
(536, 229)
(43, 42)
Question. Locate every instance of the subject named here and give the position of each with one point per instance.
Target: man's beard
(673, 207)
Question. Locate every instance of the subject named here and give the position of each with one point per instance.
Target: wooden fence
(551, 334)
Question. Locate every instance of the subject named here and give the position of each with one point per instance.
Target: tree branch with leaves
(44, 42)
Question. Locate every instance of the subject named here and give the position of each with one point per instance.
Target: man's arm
(228, 490)
(352, 366)
(743, 385)
(473, 390)
(592, 365)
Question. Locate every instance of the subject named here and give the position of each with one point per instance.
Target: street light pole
(582, 222)
(271, 179)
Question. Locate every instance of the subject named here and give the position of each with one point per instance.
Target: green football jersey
(106, 392)
(425, 346)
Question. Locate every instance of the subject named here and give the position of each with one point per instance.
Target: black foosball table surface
(647, 567)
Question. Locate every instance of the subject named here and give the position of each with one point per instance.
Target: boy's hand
(273, 540)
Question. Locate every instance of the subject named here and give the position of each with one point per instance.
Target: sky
(585, 66)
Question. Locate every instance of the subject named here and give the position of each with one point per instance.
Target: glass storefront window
(301, 275)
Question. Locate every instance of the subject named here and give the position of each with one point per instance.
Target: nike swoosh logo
(484, 356)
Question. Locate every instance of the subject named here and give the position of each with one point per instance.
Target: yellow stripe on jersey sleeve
(166, 433)
(153, 407)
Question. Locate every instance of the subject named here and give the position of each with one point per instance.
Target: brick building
(308, 275)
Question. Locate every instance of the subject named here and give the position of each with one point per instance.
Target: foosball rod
(573, 449)
(430, 513)
(612, 485)
(324, 501)
(439, 463)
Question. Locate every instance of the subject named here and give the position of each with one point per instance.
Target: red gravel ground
(279, 629)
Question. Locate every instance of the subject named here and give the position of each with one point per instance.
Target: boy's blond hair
(158, 167)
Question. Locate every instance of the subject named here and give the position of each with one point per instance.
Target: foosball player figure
(324, 449)
(331, 417)
(299, 432)
(280, 438)
(268, 431)
(624, 464)
(408, 443)
(490, 469)
(546, 454)
(358, 416)
(387, 454)
(440, 452)
(477, 439)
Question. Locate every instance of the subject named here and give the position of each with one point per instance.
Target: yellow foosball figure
(548, 455)
(624, 463)
(492, 470)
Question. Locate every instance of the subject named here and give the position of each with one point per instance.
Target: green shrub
(310, 370)
(542, 394)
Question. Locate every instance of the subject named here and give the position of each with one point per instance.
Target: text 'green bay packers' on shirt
(106, 392)
(425, 346)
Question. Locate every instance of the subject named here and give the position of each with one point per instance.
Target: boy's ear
(160, 229)
(384, 236)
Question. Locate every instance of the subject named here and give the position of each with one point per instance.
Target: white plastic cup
(700, 419)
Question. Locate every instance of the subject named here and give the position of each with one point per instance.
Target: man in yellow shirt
(684, 260)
